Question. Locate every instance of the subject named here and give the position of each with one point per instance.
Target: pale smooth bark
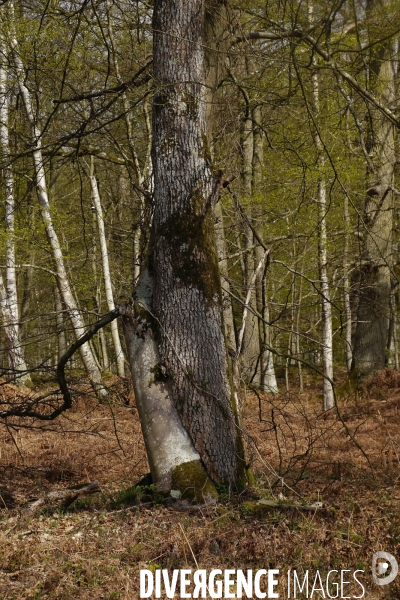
(267, 371)
(74, 314)
(246, 304)
(327, 339)
(9, 303)
(106, 269)
(216, 47)
(393, 342)
(167, 443)
(18, 368)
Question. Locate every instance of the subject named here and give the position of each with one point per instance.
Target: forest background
(301, 130)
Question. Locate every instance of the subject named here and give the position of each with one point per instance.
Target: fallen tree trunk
(66, 497)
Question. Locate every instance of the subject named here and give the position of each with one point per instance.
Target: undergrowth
(96, 548)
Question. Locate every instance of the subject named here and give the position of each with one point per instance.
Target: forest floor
(96, 548)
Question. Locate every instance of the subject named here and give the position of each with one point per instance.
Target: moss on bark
(191, 240)
(193, 483)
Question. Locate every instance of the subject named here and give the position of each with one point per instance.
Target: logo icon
(382, 567)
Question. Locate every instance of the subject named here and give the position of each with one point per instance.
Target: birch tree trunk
(327, 340)
(9, 303)
(74, 314)
(190, 373)
(17, 363)
(106, 269)
(373, 314)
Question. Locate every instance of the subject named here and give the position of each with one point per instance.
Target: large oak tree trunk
(187, 289)
(183, 340)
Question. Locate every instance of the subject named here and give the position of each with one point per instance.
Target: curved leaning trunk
(174, 462)
(267, 376)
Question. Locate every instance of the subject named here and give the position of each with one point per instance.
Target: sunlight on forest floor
(96, 548)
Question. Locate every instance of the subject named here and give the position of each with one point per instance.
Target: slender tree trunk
(217, 19)
(27, 278)
(251, 341)
(327, 339)
(106, 270)
(370, 338)
(74, 314)
(17, 363)
(392, 351)
(266, 363)
(346, 288)
(61, 337)
(223, 268)
(267, 370)
(192, 367)
(134, 160)
(297, 344)
(13, 334)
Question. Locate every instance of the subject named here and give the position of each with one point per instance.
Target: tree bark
(186, 327)
(9, 300)
(167, 443)
(251, 341)
(61, 336)
(18, 368)
(327, 339)
(74, 314)
(223, 267)
(373, 314)
(217, 44)
(106, 270)
(346, 287)
(267, 378)
(187, 289)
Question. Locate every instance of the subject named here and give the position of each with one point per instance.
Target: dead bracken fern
(96, 547)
